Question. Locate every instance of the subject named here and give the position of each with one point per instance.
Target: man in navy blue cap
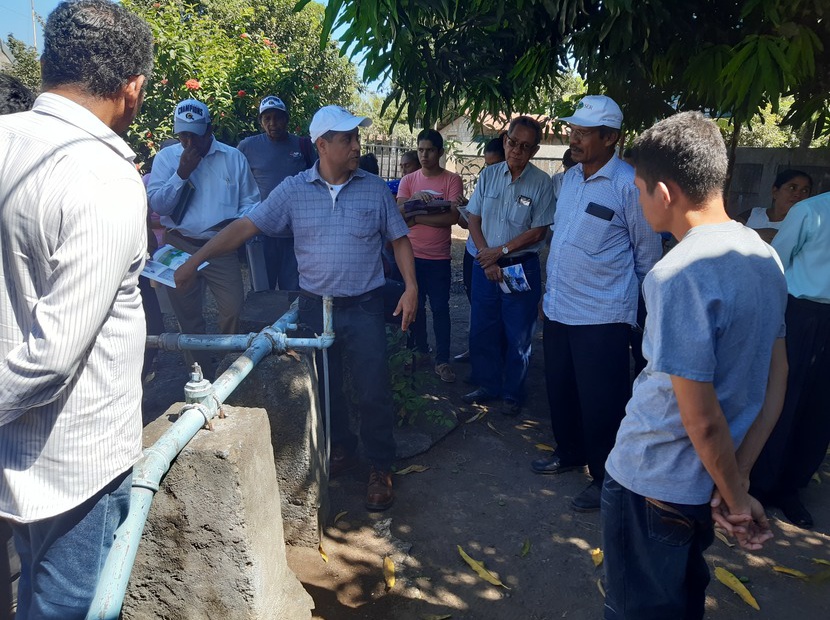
(273, 156)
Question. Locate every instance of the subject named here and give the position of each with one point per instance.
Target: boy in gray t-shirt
(714, 381)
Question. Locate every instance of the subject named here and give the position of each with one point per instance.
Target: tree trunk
(807, 135)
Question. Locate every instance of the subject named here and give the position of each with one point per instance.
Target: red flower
(222, 115)
(316, 87)
(164, 82)
(297, 129)
(156, 5)
(192, 84)
(267, 41)
(241, 93)
(244, 35)
(149, 134)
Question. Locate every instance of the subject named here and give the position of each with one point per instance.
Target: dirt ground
(479, 493)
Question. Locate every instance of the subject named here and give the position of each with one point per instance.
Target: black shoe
(478, 397)
(795, 511)
(552, 465)
(511, 408)
(588, 500)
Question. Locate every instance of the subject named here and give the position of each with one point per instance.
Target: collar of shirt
(77, 115)
(506, 171)
(313, 175)
(608, 170)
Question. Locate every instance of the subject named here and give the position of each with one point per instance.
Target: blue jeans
(61, 557)
(654, 566)
(501, 330)
(360, 342)
(433, 277)
(281, 263)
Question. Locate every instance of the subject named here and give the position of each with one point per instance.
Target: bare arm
(439, 220)
(226, 241)
(489, 256)
(408, 304)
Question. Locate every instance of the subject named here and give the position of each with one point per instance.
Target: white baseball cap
(596, 111)
(335, 118)
(192, 116)
(272, 102)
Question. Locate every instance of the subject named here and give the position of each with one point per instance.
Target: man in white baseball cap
(341, 217)
(273, 156)
(602, 248)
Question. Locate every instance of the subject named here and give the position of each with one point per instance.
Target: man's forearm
(439, 220)
(405, 260)
(226, 240)
(762, 427)
(474, 226)
(526, 239)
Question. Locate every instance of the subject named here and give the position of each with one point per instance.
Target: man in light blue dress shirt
(602, 248)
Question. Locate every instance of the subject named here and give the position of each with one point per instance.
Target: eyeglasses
(579, 134)
(521, 146)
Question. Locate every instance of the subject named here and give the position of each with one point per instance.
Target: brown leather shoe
(379, 495)
(341, 461)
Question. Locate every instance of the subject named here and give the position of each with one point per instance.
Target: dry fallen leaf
(436, 617)
(494, 429)
(339, 516)
(482, 572)
(817, 478)
(722, 537)
(412, 469)
(544, 446)
(525, 548)
(734, 584)
(821, 561)
(597, 556)
(293, 354)
(477, 416)
(601, 588)
(322, 553)
(389, 572)
(790, 571)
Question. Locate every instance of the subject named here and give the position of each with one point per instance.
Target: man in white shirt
(73, 241)
(199, 186)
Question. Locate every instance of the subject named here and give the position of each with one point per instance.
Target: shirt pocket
(592, 228)
(361, 223)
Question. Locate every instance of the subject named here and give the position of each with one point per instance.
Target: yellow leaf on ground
(477, 416)
(601, 588)
(525, 548)
(597, 556)
(817, 478)
(389, 572)
(412, 469)
(734, 584)
(722, 537)
(494, 429)
(821, 561)
(790, 571)
(322, 553)
(339, 516)
(436, 617)
(544, 446)
(482, 572)
(293, 354)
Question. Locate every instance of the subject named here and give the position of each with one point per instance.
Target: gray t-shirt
(715, 306)
(272, 161)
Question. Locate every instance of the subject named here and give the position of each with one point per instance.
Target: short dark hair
(411, 156)
(97, 45)
(686, 148)
(605, 130)
(15, 96)
(567, 159)
(369, 163)
(433, 136)
(530, 123)
(496, 145)
(785, 176)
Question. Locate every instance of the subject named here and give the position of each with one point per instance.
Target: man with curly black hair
(15, 96)
(73, 241)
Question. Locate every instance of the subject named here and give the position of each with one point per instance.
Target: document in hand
(420, 207)
(513, 279)
(164, 263)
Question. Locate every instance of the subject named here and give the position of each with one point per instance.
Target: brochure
(420, 207)
(164, 263)
(513, 279)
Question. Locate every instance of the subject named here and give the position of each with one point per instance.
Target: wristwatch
(504, 250)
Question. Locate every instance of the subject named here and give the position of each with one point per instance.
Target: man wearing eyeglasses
(509, 213)
(601, 250)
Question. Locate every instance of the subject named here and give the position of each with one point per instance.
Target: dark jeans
(433, 277)
(360, 343)
(281, 263)
(501, 331)
(587, 374)
(798, 443)
(467, 274)
(653, 556)
(61, 557)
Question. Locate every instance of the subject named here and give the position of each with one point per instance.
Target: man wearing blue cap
(273, 156)
(198, 186)
(601, 250)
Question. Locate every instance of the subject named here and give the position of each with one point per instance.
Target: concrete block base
(214, 545)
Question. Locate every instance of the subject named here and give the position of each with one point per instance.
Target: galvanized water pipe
(203, 403)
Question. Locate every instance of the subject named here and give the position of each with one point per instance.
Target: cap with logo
(191, 115)
(272, 102)
(596, 111)
(335, 118)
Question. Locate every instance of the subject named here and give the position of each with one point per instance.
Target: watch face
(504, 250)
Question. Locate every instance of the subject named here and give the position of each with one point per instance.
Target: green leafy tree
(26, 65)
(221, 54)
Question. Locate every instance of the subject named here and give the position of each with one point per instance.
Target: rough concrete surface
(214, 546)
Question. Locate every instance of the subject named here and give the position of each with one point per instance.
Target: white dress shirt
(72, 241)
(225, 189)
